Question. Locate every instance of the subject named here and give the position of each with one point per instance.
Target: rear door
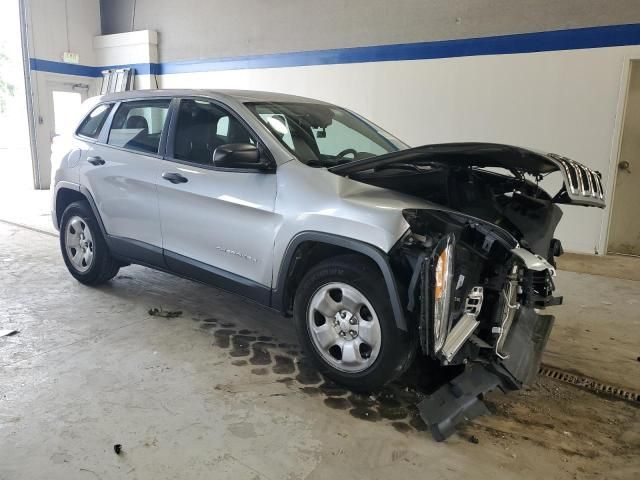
(121, 170)
(217, 224)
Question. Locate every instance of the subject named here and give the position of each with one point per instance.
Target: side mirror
(238, 155)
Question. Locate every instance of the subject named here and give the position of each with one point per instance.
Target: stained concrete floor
(222, 392)
(597, 329)
(613, 266)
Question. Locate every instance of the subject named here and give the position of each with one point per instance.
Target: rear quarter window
(92, 124)
(137, 125)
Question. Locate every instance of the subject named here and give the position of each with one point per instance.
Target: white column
(140, 47)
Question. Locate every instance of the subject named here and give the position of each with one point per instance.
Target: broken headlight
(442, 264)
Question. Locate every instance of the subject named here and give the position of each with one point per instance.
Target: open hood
(582, 186)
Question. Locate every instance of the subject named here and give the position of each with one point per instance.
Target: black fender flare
(92, 203)
(84, 192)
(378, 256)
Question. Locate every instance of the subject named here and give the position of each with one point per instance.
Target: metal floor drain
(590, 384)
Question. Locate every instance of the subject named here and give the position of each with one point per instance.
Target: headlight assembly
(442, 264)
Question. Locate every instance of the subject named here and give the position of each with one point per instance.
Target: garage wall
(52, 28)
(63, 25)
(466, 79)
(192, 29)
(565, 102)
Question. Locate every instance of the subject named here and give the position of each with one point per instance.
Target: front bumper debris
(459, 400)
(525, 343)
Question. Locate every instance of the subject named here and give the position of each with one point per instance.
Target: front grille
(582, 182)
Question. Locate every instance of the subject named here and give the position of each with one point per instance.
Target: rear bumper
(459, 399)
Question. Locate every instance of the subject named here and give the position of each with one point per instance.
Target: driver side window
(202, 127)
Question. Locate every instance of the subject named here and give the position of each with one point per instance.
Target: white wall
(58, 26)
(564, 102)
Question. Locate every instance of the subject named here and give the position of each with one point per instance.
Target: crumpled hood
(583, 186)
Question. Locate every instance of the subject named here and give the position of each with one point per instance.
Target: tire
(363, 301)
(88, 258)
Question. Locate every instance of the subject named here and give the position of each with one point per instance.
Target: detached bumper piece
(539, 287)
(525, 343)
(459, 400)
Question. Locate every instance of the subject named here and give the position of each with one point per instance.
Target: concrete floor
(203, 396)
(614, 266)
(597, 329)
(26, 207)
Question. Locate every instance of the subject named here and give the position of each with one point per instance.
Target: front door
(121, 170)
(217, 224)
(624, 234)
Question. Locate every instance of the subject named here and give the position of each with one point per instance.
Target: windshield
(323, 135)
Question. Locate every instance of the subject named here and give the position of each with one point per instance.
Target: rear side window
(92, 124)
(138, 125)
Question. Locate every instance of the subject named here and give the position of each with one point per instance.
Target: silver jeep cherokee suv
(379, 251)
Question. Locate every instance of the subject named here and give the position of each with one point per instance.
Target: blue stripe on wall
(87, 71)
(572, 39)
(64, 68)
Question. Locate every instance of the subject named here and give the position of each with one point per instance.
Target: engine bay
(510, 202)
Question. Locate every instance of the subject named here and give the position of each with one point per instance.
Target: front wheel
(346, 325)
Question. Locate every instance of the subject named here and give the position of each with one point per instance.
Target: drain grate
(590, 384)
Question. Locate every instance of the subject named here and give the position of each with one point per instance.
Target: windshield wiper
(316, 163)
(334, 162)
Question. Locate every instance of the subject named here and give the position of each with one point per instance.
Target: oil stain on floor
(394, 405)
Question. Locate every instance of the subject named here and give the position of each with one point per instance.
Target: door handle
(174, 177)
(624, 165)
(96, 161)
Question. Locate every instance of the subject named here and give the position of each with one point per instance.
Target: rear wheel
(83, 247)
(345, 323)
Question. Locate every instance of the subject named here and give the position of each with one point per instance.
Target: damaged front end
(475, 293)
(479, 262)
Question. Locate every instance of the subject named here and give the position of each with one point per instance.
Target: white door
(624, 234)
